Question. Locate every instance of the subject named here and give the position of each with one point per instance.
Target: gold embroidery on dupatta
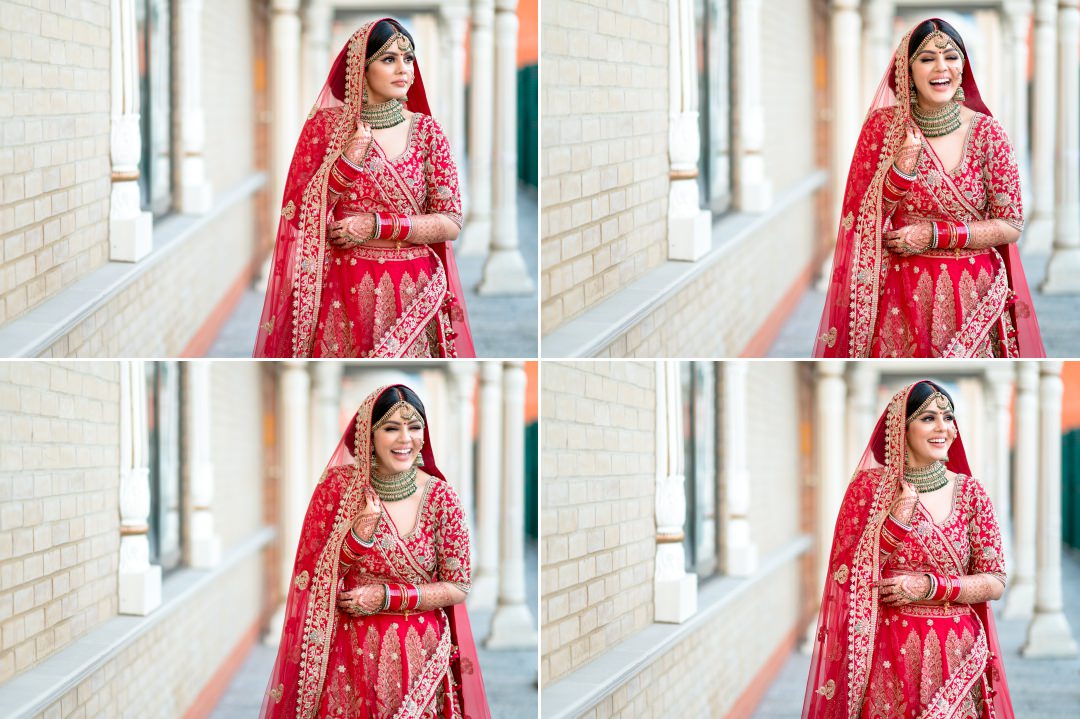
(302, 580)
(829, 338)
(277, 692)
(828, 689)
(289, 210)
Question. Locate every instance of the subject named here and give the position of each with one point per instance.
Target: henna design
(977, 588)
(905, 589)
(904, 508)
(352, 231)
(908, 158)
(363, 600)
(910, 239)
(988, 233)
(439, 594)
(429, 229)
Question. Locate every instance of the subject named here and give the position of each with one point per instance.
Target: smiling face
(390, 72)
(398, 439)
(937, 70)
(930, 433)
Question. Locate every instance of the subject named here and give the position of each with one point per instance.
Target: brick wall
(236, 449)
(598, 464)
(604, 169)
(59, 524)
(54, 157)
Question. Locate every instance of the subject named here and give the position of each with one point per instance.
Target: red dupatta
(848, 623)
(293, 292)
(849, 317)
(299, 674)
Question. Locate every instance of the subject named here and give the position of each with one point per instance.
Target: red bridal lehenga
(411, 665)
(322, 301)
(924, 660)
(941, 303)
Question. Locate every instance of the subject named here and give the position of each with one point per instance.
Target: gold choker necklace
(383, 115)
(395, 486)
(937, 123)
(926, 479)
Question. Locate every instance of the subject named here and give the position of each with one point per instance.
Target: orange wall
(1070, 403)
(532, 393)
(528, 33)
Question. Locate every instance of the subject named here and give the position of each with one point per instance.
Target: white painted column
(754, 190)
(1020, 599)
(476, 235)
(845, 87)
(1063, 270)
(489, 468)
(832, 471)
(289, 108)
(689, 235)
(740, 552)
(1049, 634)
(196, 192)
(1016, 18)
(1039, 228)
(130, 229)
(139, 582)
(294, 417)
(204, 544)
(318, 16)
(862, 409)
(877, 46)
(462, 375)
(512, 624)
(326, 426)
(998, 393)
(505, 271)
(457, 25)
(674, 590)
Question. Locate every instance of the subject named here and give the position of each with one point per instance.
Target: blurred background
(145, 148)
(150, 513)
(688, 507)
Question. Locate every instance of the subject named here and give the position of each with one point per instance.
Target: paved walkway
(502, 326)
(1040, 688)
(1059, 318)
(510, 677)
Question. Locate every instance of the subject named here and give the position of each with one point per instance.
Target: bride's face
(398, 441)
(937, 72)
(929, 436)
(390, 76)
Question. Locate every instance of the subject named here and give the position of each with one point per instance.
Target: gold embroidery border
(982, 320)
(415, 318)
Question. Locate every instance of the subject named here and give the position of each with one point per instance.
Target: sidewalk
(509, 676)
(1040, 688)
(1059, 318)
(501, 326)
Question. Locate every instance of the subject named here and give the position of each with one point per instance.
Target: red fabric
(294, 302)
(331, 664)
(858, 666)
(867, 282)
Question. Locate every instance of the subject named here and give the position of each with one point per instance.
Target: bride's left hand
(903, 589)
(363, 600)
(351, 232)
(909, 240)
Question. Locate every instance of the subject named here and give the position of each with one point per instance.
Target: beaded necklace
(383, 115)
(937, 123)
(394, 487)
(926, 479)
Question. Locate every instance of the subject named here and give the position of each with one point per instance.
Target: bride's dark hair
(392, 396)
(920, 392)
(925, 28)
(382, 32)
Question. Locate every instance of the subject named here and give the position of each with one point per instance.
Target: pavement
(1040, 688)
(1059, 318)
(502, 326)
(510, 676)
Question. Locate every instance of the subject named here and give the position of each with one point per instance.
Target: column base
(689, 236)
(1049, 636)
(140, 592)
(1020, 601)
(675, 600)
(130, 238)
(475, 238)
(205, 552)
(1038, 237)
(196, 198)
(1062, 272)
(272, 637)
(484, 593)
(511, 628)
(505, 274)
(742, 560)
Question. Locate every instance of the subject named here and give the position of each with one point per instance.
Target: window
(163, 459)
(713, 24)
(154, 38)
(699, 445)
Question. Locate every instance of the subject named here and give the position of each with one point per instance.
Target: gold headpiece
(398, 38)
(410, 413)
(938, 399)
(941, 41)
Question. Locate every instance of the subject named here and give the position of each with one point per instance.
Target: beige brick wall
(604, 168)
(54, 154)
(228, 93)
(704, 675)
(598, 466)
(720, 311)
(59, 524)
(773, 444)
(236, 448)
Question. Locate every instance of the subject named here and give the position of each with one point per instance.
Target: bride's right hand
(364, 526)
(908, 155)
(357, 146)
